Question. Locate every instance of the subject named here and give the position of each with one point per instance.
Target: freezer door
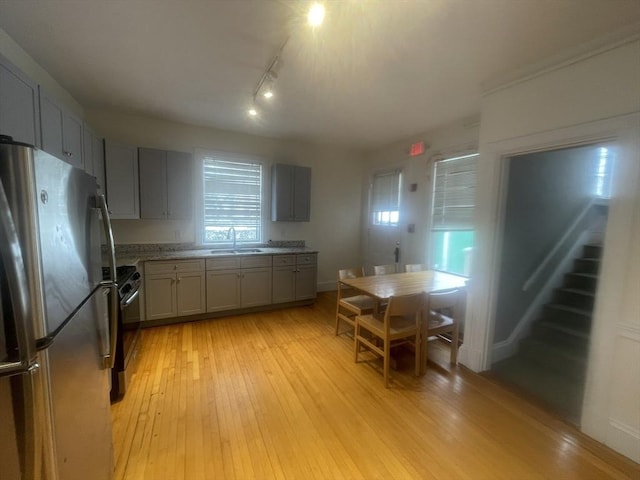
(69, 232)
(79, 394)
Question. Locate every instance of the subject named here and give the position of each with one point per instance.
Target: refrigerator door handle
(109, 359)
(18, 291)
(108, 232)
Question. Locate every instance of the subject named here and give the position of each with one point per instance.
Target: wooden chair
(350, 303)
(443, 312)
(415, 267)
(384, 269)
(399, 324)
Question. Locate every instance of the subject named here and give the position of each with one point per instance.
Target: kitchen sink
(236, 251)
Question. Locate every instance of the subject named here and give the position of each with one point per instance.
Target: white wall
(592, 98)
(336, 190)
(449, 140)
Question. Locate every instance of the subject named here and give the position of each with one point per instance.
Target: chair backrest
(446, 303)
(384, 269)
(350, 273)
(405, 306)
(415, 267)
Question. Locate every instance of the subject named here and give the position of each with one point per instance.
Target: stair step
(561, 359)
(560, 335)
(570, 317)
(581, 281)
(586, 265)
(575, 297)
(592, 251)
(560, 393)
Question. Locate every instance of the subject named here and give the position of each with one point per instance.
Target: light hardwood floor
(277, 395)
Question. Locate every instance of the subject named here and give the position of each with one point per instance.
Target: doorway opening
(555, 218)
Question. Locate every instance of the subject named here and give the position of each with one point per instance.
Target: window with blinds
(454, 194)
(232, 191)
(385, 198)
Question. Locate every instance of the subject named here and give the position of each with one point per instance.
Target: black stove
(123, 273)
(128, 282)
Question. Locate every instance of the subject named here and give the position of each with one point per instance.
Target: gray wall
(546, 192)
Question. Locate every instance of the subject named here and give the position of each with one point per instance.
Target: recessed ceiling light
(253, 112)
(267, 94)
(316, 14)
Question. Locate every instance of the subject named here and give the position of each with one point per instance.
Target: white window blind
(232, 198)
(385, 198)
(454, 193)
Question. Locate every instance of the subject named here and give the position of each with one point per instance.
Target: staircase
(551, 363)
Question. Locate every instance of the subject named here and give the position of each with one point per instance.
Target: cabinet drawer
(255, 261)
(282, 260)
(223, 263)
(151, 268)
(307, 258)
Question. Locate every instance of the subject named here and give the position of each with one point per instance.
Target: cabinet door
(281, 193)
(19, 108)
(87, 149)
(284, 284)
(223, 290)
(306, 282)
(160, 296)
(121, 164)
(179, 189)
(302, 194)
(97, 152)
(153, 182)
(256, 287)
(72, 139)
(51, 126)
(191, 293)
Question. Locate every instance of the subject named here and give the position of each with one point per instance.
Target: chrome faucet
(232, 229)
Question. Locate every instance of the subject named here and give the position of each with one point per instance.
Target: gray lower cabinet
(174, 288)
(294, 277)
(121, 168)
(19, 106)
(238, 282)
(290, 193)
(165, 184)
(61, 130)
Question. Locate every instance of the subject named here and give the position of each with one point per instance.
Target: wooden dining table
(383, 287)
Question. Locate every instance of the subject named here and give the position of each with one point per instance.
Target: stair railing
(578, 220)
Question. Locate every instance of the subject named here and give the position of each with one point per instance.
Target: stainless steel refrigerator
(56, 329)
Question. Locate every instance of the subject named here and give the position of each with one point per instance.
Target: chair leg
(356, 342)
(386, 361)
(454, 344)
(418, 356)
(337, 319)
(424, 353)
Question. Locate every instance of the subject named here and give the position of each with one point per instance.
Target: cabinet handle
(68, 154)
(179, 279)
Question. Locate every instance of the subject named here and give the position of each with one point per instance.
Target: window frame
(433, 230)
(201, 155)
(372, 196)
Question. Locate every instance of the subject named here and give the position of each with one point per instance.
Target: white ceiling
(374, 72)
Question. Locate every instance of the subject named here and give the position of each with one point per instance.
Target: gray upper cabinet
(93, 155)
(165, 184)
(19, 107)
(121, 165)
(61, 130)
(290, 193)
